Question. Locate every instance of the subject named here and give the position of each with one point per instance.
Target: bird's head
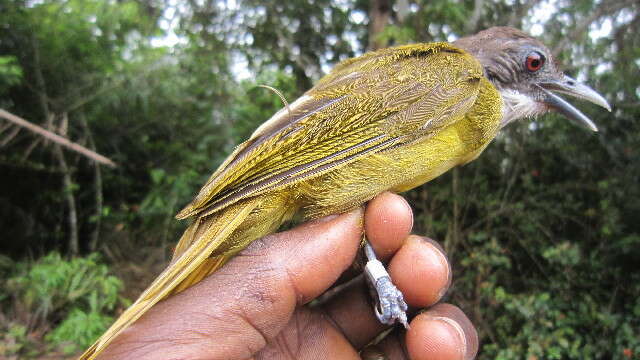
(525, 73)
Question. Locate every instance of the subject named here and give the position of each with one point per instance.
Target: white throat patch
(517, 105)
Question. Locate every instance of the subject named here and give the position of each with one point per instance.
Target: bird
(388, 120)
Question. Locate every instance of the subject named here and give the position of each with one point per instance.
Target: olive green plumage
(388, 120)
(381, 100)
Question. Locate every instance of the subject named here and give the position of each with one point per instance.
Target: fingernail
(457, 324)
(455, 330)
(443, 260)
(408, 206)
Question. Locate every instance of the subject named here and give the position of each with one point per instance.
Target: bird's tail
(192, 262)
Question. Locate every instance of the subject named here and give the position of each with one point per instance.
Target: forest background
(543, 229)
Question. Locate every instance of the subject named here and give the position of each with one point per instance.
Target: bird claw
(390, 307)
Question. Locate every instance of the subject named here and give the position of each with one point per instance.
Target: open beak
(571, 87)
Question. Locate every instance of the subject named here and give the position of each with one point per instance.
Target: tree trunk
(67, 182)
(379, 14)
(97, 185)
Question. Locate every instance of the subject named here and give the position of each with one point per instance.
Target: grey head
(527, 76)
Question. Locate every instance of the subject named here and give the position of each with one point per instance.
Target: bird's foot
(390, 307)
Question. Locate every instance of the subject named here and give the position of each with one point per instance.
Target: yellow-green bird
(392, 119)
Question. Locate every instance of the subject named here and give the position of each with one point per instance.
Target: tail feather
(185, 269)
(208, 266)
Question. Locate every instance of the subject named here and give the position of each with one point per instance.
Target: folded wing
(365, 105)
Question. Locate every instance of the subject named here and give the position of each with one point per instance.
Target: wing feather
(365, 105)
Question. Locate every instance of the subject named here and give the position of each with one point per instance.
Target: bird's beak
(571, 87)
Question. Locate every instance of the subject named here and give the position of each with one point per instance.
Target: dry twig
(56, 138)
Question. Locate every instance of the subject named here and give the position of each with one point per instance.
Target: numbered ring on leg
(375, 271)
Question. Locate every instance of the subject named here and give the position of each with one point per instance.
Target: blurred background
(543, 229)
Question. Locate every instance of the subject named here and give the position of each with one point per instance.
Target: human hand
(254, 306)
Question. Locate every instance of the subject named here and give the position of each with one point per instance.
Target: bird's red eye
(534, 61)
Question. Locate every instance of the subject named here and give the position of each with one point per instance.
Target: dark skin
(255, 306)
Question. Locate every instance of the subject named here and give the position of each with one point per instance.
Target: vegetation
(74, 297)
(542, 228)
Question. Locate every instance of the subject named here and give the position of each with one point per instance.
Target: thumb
(233, 313)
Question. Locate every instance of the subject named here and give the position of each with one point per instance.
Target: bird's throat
(517, 105)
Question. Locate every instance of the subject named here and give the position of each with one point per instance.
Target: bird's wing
(365, 105)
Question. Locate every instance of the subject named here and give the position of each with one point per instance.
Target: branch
(56, 138)
(5, 127)
(604, 9)
(10, 136)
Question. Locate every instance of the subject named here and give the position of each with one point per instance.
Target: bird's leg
(390, 305)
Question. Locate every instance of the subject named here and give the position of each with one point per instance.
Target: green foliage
(254, 104)
(561, 328)
(53, 284)
(10, 72)
(15, 341)
(79, 330)
(74, 295)
(393, 34)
